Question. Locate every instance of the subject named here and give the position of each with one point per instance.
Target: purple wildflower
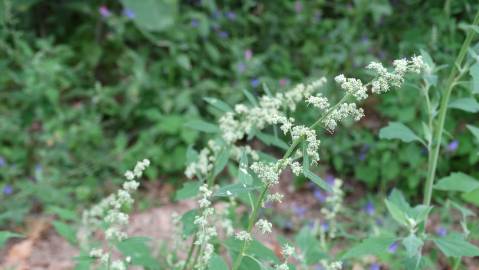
(393, 247)
(330, 179)
(298, 6)
(223, 34)
(452, 146)
(216, 14)
(441, 231)
(241, 67)
(300, 211)
(319, 195)
(248, 54)
(325, 227)
(194, 23)
(7, 190)
(255, 82)
(104, 11)
(375, 266)
(369, 208)
(128, 13)
(363, 152)
(3, 163)
(317, 15)
(231, 15)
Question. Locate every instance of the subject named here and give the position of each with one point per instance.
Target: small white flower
(243, 236)
(264, 226)
(129, 175)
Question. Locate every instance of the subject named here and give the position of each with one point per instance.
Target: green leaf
(221, 161)
(309, 174)
(474, 130)
(244, 176)
(187, 220)
(218, 104)
(138, 250)
(255, 249)
(62, 213)
(396, 130)
(457, 182)
(454, 245)
(272, 140)
(153, 15)
(251, 98)
(217, 263)
(309, 245)
(465, 104)
(66, 231)
(189, 190)
(474, 72)
(5, 235)
(202, 126)
(372, 246)
(413, 245)
(234, 190)
(397, 213)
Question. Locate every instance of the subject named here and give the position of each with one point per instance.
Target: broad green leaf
(413, 245)
(66, 231)
(62, 213)
(5, 235)
(396, 130)
(454, 245)
(465, 104)
(310, 246)
(419, 212)
(217, 263)
(138, 250)
(203, 126)
(397, 213)
(310, 175)
(189, 190)
(474, 72)
(250, 97)
(187, 220)
(221, 161)
(153, 15)
(472, 197)
(218, 104)
(474, 130)
(272, 140)
(249, 263)
(234, 190)
(457, 182)
(244, 176)
(372, 246)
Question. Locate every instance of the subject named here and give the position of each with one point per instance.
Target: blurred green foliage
(89, 86)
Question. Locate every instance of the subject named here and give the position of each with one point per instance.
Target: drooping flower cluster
(342, 112)
(264, 226)
(334, 204)
(111, 211)
(334, 265)
(287, 251)
(385, 79)
(312, 141)
(352, 86)
(243, 120)
(206, 231)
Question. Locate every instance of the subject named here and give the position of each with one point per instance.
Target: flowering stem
(254, 214)
(437, 137)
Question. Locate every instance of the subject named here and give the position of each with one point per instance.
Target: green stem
(457, 263)
(437, 137)
(190, 252)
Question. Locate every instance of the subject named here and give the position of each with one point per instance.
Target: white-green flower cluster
(243, 236)
(318, 101)
(267, 172)
(335, 265)
(311, 140)
(264, 226)
(110, 211)
(243, 120)
(206, 231)
(342, 112)
(353, 86)
(287, 251)
(385, 79)
(334, 204)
